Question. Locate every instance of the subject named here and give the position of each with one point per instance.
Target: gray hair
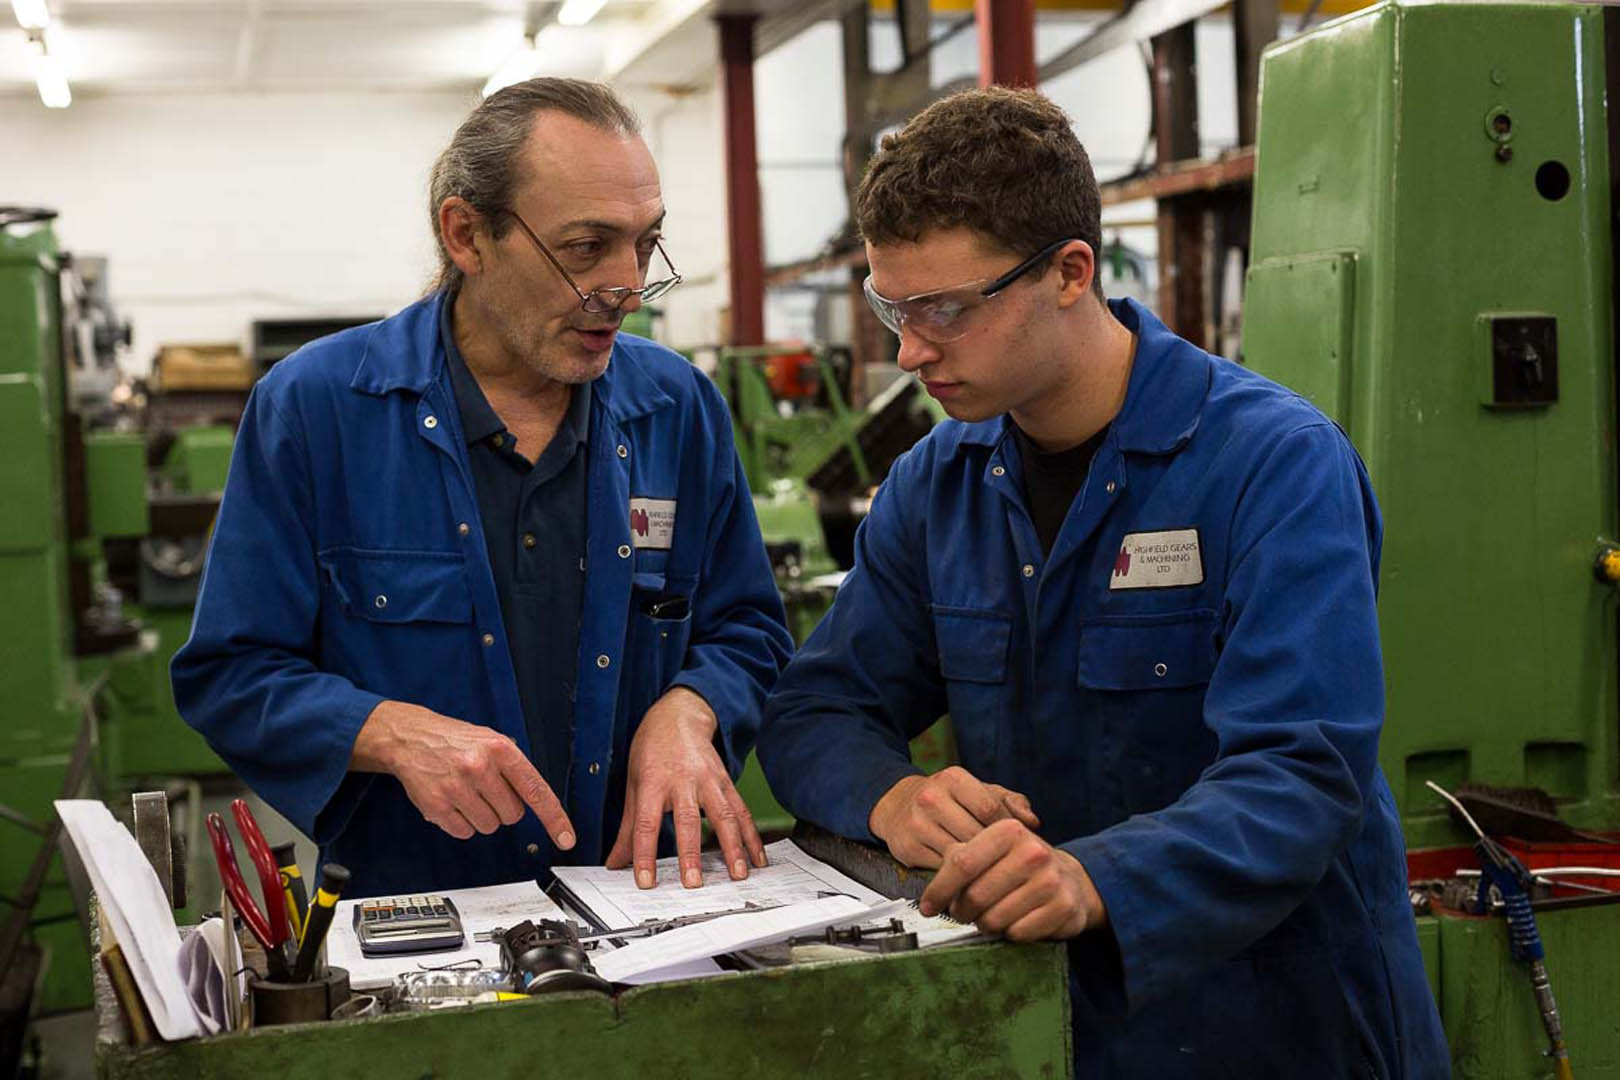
(481, 162)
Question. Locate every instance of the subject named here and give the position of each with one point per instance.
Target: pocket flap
(973, 643)
(400, 586)
(1148, 652)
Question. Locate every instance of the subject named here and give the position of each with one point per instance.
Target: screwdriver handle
(333, 879)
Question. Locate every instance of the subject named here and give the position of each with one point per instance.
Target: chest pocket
(973, 648)
(1144, 678)
(399, 586)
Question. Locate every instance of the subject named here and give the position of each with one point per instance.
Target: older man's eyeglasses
(937, 316)
(603, 301)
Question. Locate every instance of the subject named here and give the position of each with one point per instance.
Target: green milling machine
(1432, 264)
(100, 553)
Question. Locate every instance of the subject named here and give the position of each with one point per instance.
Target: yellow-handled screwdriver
(292, 887)
(333, 879)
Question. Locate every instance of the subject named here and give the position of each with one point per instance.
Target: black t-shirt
(1051, 481)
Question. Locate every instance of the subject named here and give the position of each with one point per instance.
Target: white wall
(216, 210)
(683, 133)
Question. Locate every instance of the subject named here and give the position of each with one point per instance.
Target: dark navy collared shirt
(534, 529)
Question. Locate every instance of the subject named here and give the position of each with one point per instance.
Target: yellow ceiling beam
(1328, 9)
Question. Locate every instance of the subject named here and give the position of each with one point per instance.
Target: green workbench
(966, 1011)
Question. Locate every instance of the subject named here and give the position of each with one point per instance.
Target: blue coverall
(1188, 689)
(348, 565)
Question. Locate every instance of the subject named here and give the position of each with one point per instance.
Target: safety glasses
(937, 316)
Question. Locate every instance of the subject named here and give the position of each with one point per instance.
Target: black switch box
(1524, 360)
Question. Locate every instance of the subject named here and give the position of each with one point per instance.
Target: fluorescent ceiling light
(32, 14)
(579, 12)
(52, 83)
(524, 64)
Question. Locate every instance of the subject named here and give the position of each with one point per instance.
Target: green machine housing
(99, 559)
(1432, 266)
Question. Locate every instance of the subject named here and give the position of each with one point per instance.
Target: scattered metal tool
(887, 937)
(1505, 873)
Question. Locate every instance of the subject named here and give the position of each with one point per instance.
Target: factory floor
(67, 1044)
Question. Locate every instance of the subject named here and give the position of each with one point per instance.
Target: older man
(486, 589)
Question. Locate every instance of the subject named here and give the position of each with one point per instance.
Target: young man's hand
(1009, 881)
(921, 817)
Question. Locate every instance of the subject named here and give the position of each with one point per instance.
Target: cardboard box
(203, 367)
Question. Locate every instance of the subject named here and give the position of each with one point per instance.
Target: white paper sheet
(792, 876)
(138, 910)
(481, 910)
(730, 933)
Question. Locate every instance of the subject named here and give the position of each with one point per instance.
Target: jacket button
(489, 639)
(602, 661)
(534, 849)
(594, 769)
(998, 471)
(1160, 670)
(430, 422)
(381, 601)
(624, 551)
(463, 528)
(1029, 571)
(528, 540)
(624, 451)
(1110, 487)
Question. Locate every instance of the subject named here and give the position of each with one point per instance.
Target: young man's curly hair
(1004, 163)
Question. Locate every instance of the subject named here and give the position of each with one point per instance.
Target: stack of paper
(789, 880)
(612, 899)
(138, 910)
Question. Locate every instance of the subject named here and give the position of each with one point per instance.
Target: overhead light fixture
(51, 80)
(524, 64)
(579, 12)
(31, 14)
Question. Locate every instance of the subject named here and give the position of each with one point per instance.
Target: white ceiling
(134, 46)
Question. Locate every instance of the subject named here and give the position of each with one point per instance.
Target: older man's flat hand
(674, 768)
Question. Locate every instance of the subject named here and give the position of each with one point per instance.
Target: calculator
(389, 925)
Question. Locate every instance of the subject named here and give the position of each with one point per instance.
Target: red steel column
(1006, 42)
(743, 231)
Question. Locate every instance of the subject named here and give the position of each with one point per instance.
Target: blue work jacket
(1189, 690)
(348, 565)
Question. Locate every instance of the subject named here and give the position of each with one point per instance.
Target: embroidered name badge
(1158, 560)
(652, 523)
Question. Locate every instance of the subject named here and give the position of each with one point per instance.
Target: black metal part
(1524, 360)
(548, 957)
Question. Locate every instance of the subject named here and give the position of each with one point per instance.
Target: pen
(292, 885)
(333, 879)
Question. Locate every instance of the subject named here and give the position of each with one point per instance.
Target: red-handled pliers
(270, 925)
